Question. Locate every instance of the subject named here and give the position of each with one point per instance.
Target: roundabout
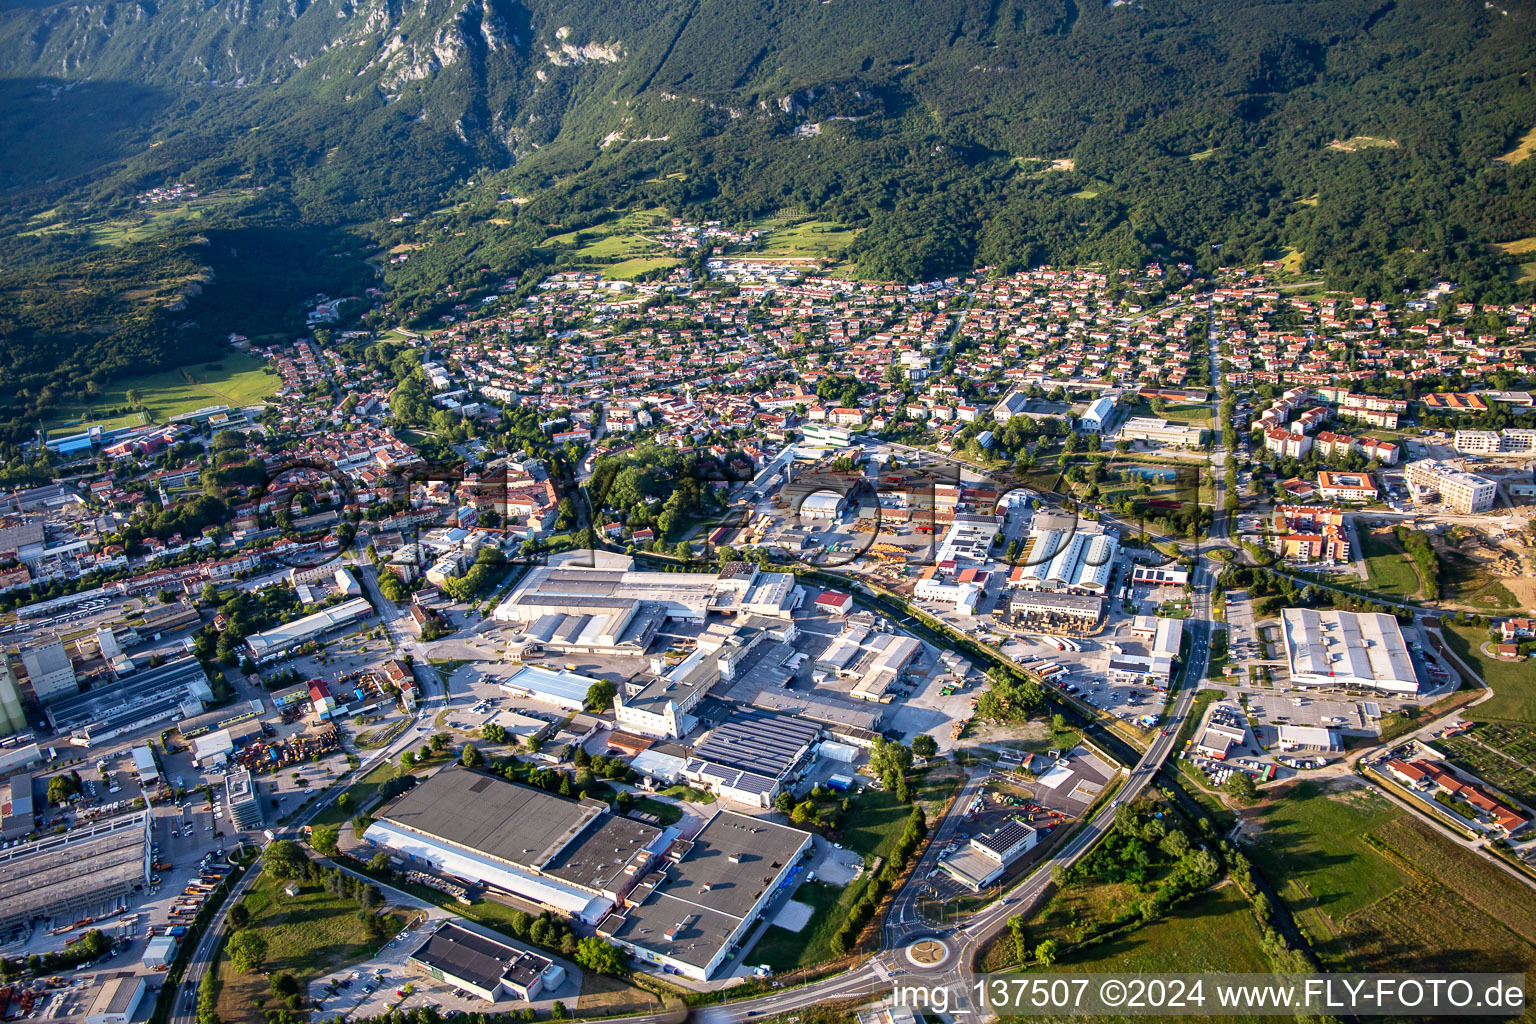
(927, 953)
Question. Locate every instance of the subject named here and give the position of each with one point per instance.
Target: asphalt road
(185, 1010)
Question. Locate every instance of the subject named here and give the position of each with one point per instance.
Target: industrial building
(874, 660)
(116, 998)
(1160, 431)
(489, 968)
(62, 876)
(616, 609)
(50, 672)
(1153, 667)
(554, 686)
(740, 658)
(1311, 738)
(746, 758)
(174, 690)
(1050, 612)
(691, 913)
(1065, 553)
(1346, 649)
(570, 856)
(271, 644)
(987, 857)
(18, 814)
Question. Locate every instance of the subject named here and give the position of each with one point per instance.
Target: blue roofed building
(1097, 416)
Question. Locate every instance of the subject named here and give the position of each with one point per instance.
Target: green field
(1514, 696)
(1391, 571)
(1174, 412)
(1312, 849)
(783, 950)
(815, 238)
(307, 935)
(1212, 932)
(1376, 889)
(631, 269)
(876, 819)
(235, 379)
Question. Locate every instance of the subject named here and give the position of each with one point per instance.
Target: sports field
(234, 379)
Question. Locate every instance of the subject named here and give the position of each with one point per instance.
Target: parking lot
(1062, 790)
(387, 982)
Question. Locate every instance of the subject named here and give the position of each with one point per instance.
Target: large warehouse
(746, 758)
(280, 640)
(75, 872)
(690, 914)
(1332, 648)
(618, 608)
(571, 856)
(1066, 553)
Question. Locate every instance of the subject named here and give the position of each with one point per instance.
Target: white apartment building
(1459, 490)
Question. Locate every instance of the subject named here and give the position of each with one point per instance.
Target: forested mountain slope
(1365, 134)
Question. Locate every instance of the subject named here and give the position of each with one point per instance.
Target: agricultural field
(1461, 913)
(812, 238)
(235, 379)
(307, 935)
(1376, 889)
(1390, 571)
(1500, 754)
(1514, 699)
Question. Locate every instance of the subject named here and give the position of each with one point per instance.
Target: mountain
(1378, 139)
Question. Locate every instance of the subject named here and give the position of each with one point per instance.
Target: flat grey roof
(66, 872)
(513, 823)
(758, 741)
(150, 688)
(605, 850)
(705, 897)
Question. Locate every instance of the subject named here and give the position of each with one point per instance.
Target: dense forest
(1377, 138)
